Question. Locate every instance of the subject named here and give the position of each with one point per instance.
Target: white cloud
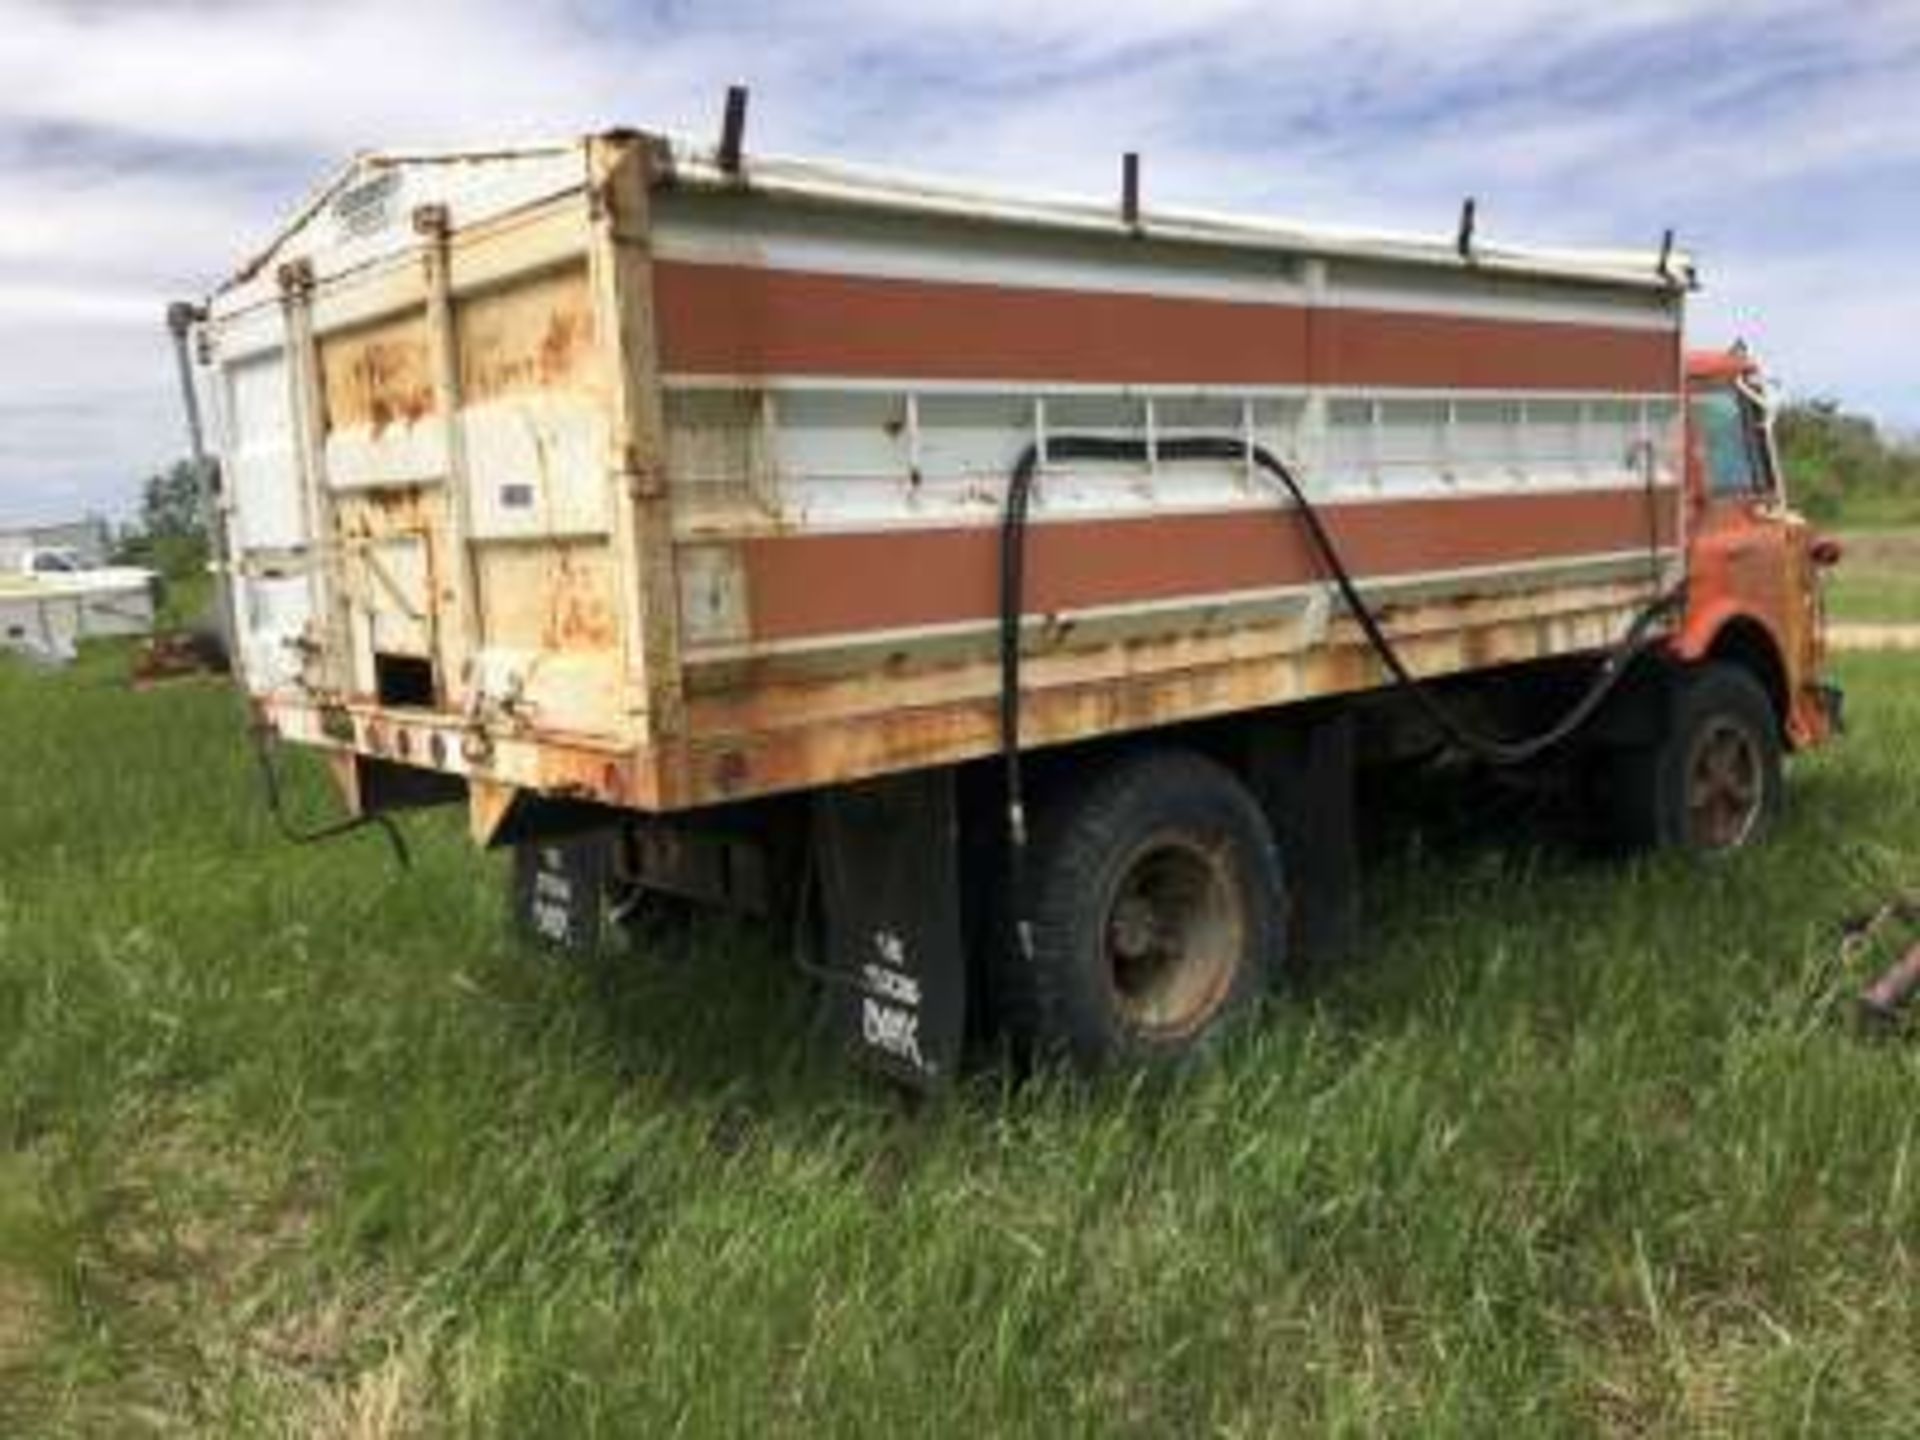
(1386, 113)
(1836, 324)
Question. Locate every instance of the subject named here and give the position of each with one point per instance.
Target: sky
(147, 148)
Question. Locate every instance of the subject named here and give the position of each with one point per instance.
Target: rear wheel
(1155, 909)
(1711, 783)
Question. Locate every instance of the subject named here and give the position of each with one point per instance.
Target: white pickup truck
(51, 599)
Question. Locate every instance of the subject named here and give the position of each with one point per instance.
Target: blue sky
(145, 148)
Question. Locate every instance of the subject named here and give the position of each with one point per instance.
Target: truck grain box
(1000, 592)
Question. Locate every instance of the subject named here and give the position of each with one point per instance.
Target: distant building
(90, 537)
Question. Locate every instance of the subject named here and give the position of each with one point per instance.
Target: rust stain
(772, 752)
(793, 734)
(535, 336)
(765, 725)
(378, 376)
(390, 512)
(579, 604)
(559, 346)
(589, 775)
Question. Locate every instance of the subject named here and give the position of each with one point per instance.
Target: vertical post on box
(324, 550)
(1310, 445)
(733, 130)
(434, 226)
(619, 178)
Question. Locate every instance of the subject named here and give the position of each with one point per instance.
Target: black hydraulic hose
(270, 783)
(1494, 750)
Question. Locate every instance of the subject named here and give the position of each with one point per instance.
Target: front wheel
(1711, 784)
(1154, 910)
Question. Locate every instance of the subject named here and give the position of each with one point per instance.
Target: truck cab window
(1727, 444)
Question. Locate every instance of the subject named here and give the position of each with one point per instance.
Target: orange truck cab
(1753, 592)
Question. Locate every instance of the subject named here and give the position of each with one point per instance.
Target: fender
(1704, 625)
(1723, 629)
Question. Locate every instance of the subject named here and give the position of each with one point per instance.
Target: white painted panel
(1277, 422)
(1348, 460)
(1486, 441)
(1478, 294)
(846, 435)
(263, 481)
(537, 466)
(365, 214)
(1410, 446)
(732, 228)
(1610, 431)
(713, 439)
(389, 587)
(750, 230)
(400, 454)
(266, 513)
(271, 612)
(973, 437)
(863, 190)
(1551, 436)
(864, 455)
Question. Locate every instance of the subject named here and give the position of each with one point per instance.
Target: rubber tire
(1061, 1004)
(1645, 787)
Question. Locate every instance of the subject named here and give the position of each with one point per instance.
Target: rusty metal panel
(552, 620)
(558, 597)
(380, 404)
(391, 544)
(379, 376)
(534, 407)
(622, 170)
(535, 335)
(713, 596)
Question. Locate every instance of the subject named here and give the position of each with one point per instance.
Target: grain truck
(1001, 594)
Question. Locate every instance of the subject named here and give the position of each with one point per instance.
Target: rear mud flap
(889, 867)
(560, 892)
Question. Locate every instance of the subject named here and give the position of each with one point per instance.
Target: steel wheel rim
(1726, 786)
(1172, 936)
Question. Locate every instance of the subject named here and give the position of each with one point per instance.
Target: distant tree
(171, 533)
(170, 504)
(1834, 457)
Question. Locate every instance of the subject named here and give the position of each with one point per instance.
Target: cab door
(1749, 552)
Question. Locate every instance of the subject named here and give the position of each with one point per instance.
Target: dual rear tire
(1150, 911)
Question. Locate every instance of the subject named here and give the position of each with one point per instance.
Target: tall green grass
(293, 1143)
(1878, 578)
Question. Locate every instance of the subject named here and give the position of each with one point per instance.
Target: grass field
(1880, 510)
(293, 1143)
(1879, 578)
